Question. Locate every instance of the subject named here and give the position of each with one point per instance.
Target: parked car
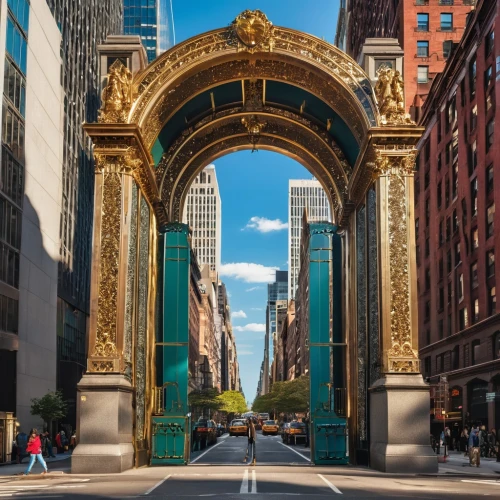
(238, 428)
(294, 431)
(206, 431)
(269, 427)
(221, 429)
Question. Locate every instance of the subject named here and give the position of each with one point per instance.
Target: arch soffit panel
(298, 132)
(297, 58)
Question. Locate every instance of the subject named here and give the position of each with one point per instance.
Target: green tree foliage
(49, 407)
(206, 399)
(232, 402)
(291, 396)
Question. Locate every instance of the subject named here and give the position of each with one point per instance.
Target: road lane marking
(332, 486)
(493, 482)
(204, 453)
(244, 483)
(254, 482)
(159, 483)
(295, 451)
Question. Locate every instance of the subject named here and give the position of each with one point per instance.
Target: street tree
(49, 407)
(232, 402)
(204, 400)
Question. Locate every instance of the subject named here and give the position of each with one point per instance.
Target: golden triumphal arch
(248, 85)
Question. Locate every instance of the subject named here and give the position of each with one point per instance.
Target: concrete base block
(399, 425)
(105, 413)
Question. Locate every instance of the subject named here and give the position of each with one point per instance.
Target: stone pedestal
(105, 413)
(399, 425)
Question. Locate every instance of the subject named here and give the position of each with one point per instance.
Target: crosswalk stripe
(331, 486)
(244, 483)
(254, 482)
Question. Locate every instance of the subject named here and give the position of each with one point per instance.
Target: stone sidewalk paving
(58, 464)
(456, 463)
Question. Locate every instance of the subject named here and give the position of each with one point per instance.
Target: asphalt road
(219, 472)
(270, 450)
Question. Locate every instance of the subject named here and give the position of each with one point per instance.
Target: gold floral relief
(402, 356)
(105, 344)
(116, 96)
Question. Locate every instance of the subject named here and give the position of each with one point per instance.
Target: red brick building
(457, 186)
(426, 30)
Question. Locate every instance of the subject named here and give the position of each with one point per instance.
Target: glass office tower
(153, 21)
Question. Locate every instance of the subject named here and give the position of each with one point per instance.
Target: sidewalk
(60, 463)
(456, 463)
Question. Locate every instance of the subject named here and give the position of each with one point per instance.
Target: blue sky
(254, 186)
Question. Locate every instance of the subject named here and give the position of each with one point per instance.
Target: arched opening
(287, 92)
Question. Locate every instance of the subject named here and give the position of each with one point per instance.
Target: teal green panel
(328, 429)
(171, 432)
(195, 108)
(170, 443)
(291, 96)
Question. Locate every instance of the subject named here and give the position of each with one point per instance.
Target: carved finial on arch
(254, 31)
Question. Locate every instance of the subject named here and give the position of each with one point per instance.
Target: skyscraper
(153, 20)
(83, 26)
(302, 194)
(276, 292)
(31, 167)
(203, 213)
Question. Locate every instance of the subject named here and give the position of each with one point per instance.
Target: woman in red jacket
(35, 448)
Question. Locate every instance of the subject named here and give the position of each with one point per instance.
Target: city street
(220, 471)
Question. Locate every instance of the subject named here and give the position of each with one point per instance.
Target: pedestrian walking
(47, 444)
(35, 448)
(252, 436)
(474, 449)
(465, 440)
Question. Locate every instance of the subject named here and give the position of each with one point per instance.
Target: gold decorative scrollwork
(102, 366)
(105, 344)
(117, 95)
(395, 162)
(401, 353)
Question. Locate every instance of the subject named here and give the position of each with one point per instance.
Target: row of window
(14, 86)
(13, 132)
(11, 177)
(446, 22)
(423, 49)
(8, 314)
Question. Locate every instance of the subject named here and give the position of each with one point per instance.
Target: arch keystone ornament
(251, 85)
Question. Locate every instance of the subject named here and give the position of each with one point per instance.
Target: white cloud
(244, 353)
(249, 272)
(252, 289)
(251, 327)
(263, 225)
(256, 308)
(238, 314)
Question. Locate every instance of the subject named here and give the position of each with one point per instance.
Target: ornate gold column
(393, 175)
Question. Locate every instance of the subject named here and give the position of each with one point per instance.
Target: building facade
(426, 29)
(277, 291)
(153, 21)
(83, 26)
(456, 189)
(203, 213)
(30, 204)
(302, 195)
(195, 304)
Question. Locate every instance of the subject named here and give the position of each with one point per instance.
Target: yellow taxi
(270, 427)
(238, 428)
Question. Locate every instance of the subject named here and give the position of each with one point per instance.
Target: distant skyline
(254, 186)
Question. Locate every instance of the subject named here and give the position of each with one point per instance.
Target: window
(457, 254)
(450, 325)
(489, 43)
(427, 279)
(463, 319)
(439, 194)
(472, 157)
(416, 228)
(490, 221)
(475, 346)
(450, 292)
(8, 314)
(488, 77)
(422, 22)
(490, 132)
(475, 316)
(490, 263)
(15, 86)
(16, 45)
(472, 78)
(427, 212)
(448, 267)
(460, 287)
(441, 298)
(492, 301)
(446, 22)
(427, 246)
(428, 364)
(455, 358)
(496, 345)
(423, 74)
(473, 196)
(489, 179)
(473, 118)
(427, 310)
(422, 48)
(447, 48)
(473, 275)
(448, 229)
(441, 233)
